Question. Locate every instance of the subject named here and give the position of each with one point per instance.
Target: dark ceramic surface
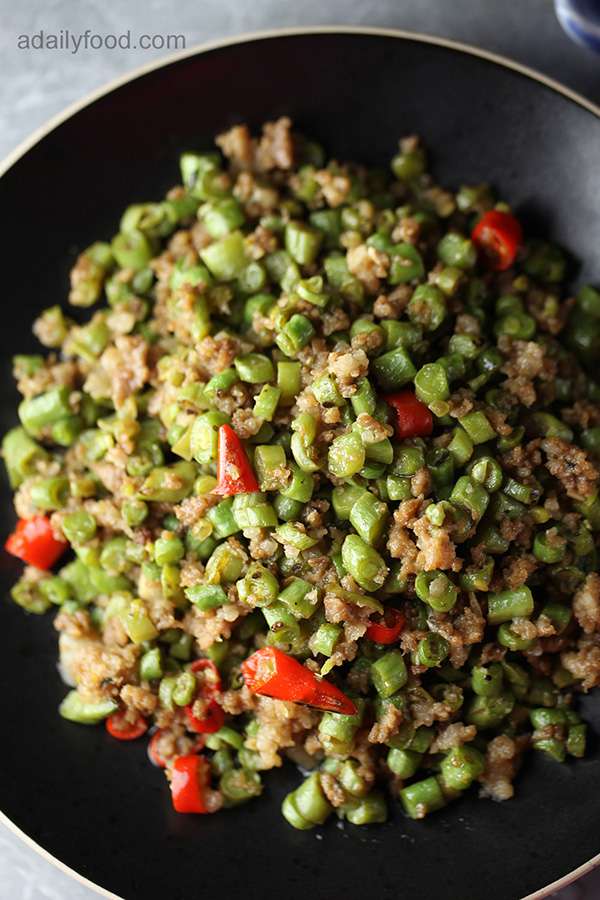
(99, 806)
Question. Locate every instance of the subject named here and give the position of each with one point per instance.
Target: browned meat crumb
(367, 341)
(501, 764)
(126, 365)
(522, 460)
(424, 710)
(391, 306)
(372, 430)
(337, 610)
(467, 324)
(335, 320)
(245, 423)
(584, 663)
(280, 725)
(192, 509)
(332, 789)
(348, 366)
(51, 374)
(173, 741)
(516, 570)
(550, 313)
(369, 265)
(276, 146)
(454, 735)
(209, 626)
(586, 603)
(261, 544)
(387, 726)
(401, 546)
(139, 699)
(571, 466)
(191, 572)
(408, 230)
(437, 551)
(583, 414)
(526, 361)
(420, 483)
(84, 271)
(235, 702)
(96, 670)
(460, 403)
(468, 628)
(217, 353)
(238, 146)
(335, 187)
(76, 624)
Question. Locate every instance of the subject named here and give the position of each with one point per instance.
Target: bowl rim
(247, 37)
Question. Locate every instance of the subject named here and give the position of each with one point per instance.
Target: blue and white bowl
(581, 21)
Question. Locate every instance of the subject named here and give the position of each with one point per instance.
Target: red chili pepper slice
(189, 780)
(212, 677)
(275, 674)
(389, 629)
(499, 235)
(413, 418)
(33, 541)
(120, 728)
(212, 721)
(154, 754)
(234, 472)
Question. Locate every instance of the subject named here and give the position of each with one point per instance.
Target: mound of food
(324, 461)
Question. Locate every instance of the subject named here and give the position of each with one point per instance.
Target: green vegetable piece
(403, 763)
(366, 810)
(169, 484)
(389, 673)
(431, 386)
(489, 712)
(302, 242)
(477, 427)
(255, 368)
(471, 496)
(300, 597)
(422, 797)
(437, 590)
(346, 455)
(226, 257)
(461, 766)
(137, 623)
(307, 806)
(364, 563)
(427, 307)
(486, 681)
(79, 527)
(204, 436)
(151, 667)
(325, 638)
(21, 454)
(206, 596)
(259, 587)
(456, 250)
(506, 605)
(432, 650)
(75, 709)
(393, 370)
(369, 517)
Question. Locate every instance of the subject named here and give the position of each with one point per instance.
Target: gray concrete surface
(37, 83)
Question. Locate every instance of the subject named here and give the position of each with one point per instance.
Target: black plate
(97, 805)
